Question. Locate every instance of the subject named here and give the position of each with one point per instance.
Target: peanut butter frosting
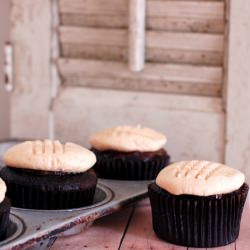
(201, 178)
(128, 139)
(50, 155)
(2, 190)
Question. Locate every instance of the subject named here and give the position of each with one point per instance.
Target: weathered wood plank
(231, 246)
(30, 35)
(243, 242)
(172, 40)
(106, 233)
(140, 234)
(180, 24)
(155, 77)
(238, 88)
(154, 86)
(177, 24)
(4, 96)
(112, 53)
(197, 248)
(182, 118)
(160, 40)
(168, 72)
(191, 9)
(185, 57)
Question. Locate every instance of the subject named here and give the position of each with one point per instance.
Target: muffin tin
(39, 228)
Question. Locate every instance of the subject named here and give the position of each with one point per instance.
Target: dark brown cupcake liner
(195, 221)
(4, 217)
(39, 190)
(129, 169)
(33, 197)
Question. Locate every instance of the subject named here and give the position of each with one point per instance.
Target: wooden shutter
(184, 46)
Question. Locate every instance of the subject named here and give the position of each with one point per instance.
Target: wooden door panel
(30, 36)
(195, 128)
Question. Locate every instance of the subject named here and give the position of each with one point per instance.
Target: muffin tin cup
(4, 217)
(129, 169)
(38, 228)
(194, 221)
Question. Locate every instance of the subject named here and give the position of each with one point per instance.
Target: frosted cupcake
(129, 153)
(49, 175)
(198, 203)
(4, 210)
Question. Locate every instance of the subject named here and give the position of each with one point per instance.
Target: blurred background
(4, 96)
(178, 66)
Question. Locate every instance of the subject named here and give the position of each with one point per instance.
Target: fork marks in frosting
(196, 169)
(202, 178)
(48, 147)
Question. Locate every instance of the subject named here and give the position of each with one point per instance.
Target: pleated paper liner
(4, 217)
(43, 198)
(127, 168)
(195, 221)
(27, 190)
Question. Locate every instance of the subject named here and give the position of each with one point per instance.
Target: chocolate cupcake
(198, 203)
(129, 153)
(49, 175)
(4, 210)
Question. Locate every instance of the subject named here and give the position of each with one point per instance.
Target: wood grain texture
(30, 36)
(106, 233)
(177, 24)
(140, 234)
(193, 16)
(182, 118)
(111, 53)
(155, 39)
(192, 9)
(199, 80)
(171, 72)
(238, 88)
(4, 96)
(231, 246)
(243, 242)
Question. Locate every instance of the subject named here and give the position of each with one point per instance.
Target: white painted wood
(186, 24)
(8, 67)
(166, 8)
(4, 96)
(137, 28)
(173, 72)
(155, 39)
(194, 125)
(238, 88)
(177, 24)
(55, 53)
(155, 77)
(191, 9)
(30, 36)
(103, 52)
(80, 111)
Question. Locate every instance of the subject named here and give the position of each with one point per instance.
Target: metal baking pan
(37, 229)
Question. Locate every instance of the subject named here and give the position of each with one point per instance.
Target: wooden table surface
(131, 228)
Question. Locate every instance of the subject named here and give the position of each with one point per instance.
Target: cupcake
(49, 175)
(129, 153)
(4, 210)
(198, 203)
